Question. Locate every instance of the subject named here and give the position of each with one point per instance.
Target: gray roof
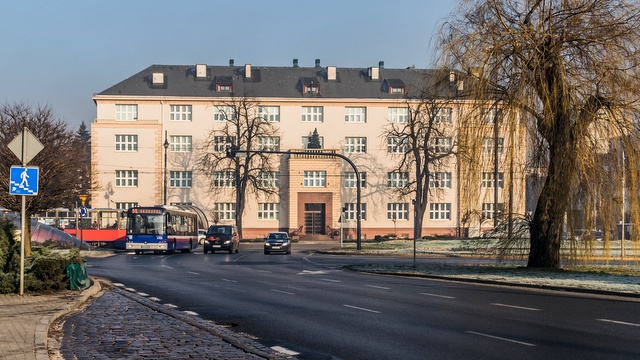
(266, 81)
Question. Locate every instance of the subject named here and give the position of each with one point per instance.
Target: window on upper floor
(440, 145)
(268, 211)
(180, 112)
(351, 211)
(350, 179)
(488, 145)
(223, 143)
(398, 114)
(224, 211)
(125, 205)
(397, 145)
(127, 143)
(268, 179)
(490, 115)
(224, 179)
(312, 113)
(398, 211)
(440, 211)
(397, 179)
(488, 210)
(269, 113)
(180, 179)
(488, 180)
(180, 143)
(440, 180)
(443, 116)
(355, 145)
(126, 112)
(269, 143)
(126, 178)
(224, 83)
(353, 114)
(224, 113)
(314, 179)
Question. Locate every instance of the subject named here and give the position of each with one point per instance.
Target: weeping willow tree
(568, 70)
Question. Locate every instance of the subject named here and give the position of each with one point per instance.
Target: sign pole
(23, 221)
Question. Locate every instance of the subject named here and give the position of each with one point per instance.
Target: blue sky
(59, 53)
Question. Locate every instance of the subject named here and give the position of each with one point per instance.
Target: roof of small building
(279, 82)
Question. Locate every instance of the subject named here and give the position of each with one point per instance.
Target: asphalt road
(304, 302)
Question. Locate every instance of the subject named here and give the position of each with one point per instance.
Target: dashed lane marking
(501, 338)
(378, 287)
(619, 322)
(438, 296)
(361, 308)
(282, 292)
(516, 307)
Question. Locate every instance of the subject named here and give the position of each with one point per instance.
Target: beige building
(177, 107)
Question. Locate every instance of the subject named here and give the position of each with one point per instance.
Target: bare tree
(242, 124)
(58, 162)
(569, 68)
(425, 143)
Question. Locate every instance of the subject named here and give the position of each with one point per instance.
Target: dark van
(221, 237)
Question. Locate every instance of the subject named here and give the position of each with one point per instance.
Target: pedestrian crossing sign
(24, 180)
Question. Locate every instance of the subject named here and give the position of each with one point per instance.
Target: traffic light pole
(232, 153)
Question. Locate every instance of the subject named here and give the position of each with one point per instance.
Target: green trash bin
(78, 277)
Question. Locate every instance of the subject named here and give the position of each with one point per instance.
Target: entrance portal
(314, 218)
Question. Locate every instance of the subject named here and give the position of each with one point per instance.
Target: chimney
(381, 64)
(331, 72)
(295, 62)
(452, 78)
(157, 78)
(201, 71)
(230, 62)
(247, 71)
(317, 62)
(374, 73)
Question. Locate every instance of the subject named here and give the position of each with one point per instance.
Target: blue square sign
(23, 180)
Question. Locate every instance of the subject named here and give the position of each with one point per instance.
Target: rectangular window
(180, 143)
(487, 210)
(355, 114)
(180, 113)
(305, 141)
(443, 116)
(312, 113)
(397, 179)
(224, 113)
(224, 211)
(125, 205)
(269, 113)
(351, 211)
(350, 179)
(126, 178)
(355, 145)
(398, 211)
(224, 179)
(222, 143)
(440, 180)
(489, 116)
(487, 145)
(268, 211)
(268, 179)
(440, 211)
(488, 180)
(315, 179)
(398, 114)
(440, 145)
(397, 145)
(126, 112)
(127, 143)
(270, 143)
(180, 179)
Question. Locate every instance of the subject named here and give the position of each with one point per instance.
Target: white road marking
(331, 280)
(378, 287)
(516, 307)
(118, 284)
(171, 305)
(153, 298)
(619, 322)
(168, 267)
(360, 308)
(130, 289)
(229, 280)
(438, 296)
(501, 338)
(142, 294)
(309, 272)
(191, 313)
(282, 292)
(194, 273)
(285, 351)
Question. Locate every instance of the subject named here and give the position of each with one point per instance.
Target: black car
(221, 237)
(277, 242)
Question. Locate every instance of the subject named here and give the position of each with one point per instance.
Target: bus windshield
(152, 224)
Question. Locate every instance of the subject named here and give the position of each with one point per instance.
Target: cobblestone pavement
(122, 325)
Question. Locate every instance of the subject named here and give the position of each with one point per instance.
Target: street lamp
(166, 147)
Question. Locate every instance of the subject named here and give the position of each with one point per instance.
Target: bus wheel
(138, 252)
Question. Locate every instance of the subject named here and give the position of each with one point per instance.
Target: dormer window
(224, 84)
(309, 86)
(394, 86)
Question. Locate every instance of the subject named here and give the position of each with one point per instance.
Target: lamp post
(166, 147)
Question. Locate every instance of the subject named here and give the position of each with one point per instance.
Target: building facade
(149, 131)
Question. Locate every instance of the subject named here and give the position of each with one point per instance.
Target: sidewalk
(116, 324)
(24, 321)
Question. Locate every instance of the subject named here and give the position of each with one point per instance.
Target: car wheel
(213, 251)
(266, 252)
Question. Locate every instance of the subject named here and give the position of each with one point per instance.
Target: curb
(42, 329)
